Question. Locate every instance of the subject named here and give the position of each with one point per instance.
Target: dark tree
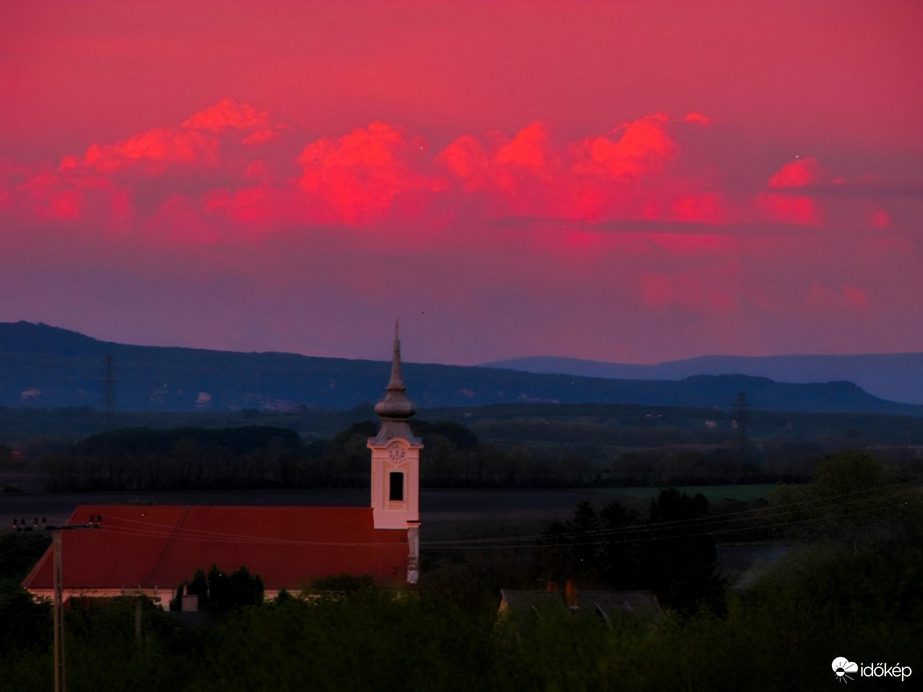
(220, 592)
(679, 553)
(246, 590)
(199, 587)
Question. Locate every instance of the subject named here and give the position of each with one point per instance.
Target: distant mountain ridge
(52, 367)
(891, 376)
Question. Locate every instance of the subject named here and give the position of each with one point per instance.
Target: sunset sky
(631, 181)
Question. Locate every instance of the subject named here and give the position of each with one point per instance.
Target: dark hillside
(892, 376)
(48, 367)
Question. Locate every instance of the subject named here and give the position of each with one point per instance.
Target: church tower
(396, 464)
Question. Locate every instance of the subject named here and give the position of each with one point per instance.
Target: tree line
(146, 459)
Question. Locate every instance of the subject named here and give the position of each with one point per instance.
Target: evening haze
(620, 181)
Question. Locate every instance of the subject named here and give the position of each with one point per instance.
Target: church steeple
(395, 409)
(396, 460)
(395, 406)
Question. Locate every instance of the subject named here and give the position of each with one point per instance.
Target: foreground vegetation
(854, 589)
(780, 634)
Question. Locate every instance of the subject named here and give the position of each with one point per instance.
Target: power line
(633, 533)
(680, 528)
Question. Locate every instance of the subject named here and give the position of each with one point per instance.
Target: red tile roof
(149, 545)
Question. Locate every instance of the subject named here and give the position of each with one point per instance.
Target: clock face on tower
(397, 452)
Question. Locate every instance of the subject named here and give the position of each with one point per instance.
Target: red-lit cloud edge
(232, 169)
(638, 221)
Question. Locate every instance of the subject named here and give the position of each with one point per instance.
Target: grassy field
(447, 513)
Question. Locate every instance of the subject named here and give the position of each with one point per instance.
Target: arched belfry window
(396, 486)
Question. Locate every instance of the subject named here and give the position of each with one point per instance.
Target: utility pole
(58, 572)
(58, 615)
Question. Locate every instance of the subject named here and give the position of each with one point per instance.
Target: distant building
(153, 549)
(605, 604)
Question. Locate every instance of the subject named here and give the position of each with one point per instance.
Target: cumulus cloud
(624, 174)
(643, 174)
(358, 177)
(228, 114)
(633, 150)
(628, 225)
(197, 141)
(68, 196)
(784, 203)
(157, 148)
(255, 126)
(799, 173)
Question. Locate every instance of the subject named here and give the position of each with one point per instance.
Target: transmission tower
(108, 383)
(741, 422)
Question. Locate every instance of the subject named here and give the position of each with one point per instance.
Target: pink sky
(626, 181)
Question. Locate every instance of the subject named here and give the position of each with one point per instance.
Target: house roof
(605, 602)
(162, 546)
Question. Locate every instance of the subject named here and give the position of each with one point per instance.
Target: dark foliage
(25, 625)
(679, 553)
(19, 551)
(672, 553)
(856, 592)
(220, 592)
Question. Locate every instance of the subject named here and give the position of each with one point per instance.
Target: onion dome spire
(395, 405)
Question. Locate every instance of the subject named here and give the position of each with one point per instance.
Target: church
(152, 549)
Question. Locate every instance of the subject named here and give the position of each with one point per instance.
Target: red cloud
(52, 200)
(157, 148)
(259, 206)
(528, 149)
(382, 172)
(800, 173)
(640, 148)
(589, 181)
(95, 188)
(612, 222)
(66, 196)
(627, 174)
(642, 171)
(358, 177)
(787, 207)
(196, 141)
(796, 209)
(178, 220)
(702, 208)
(466, 158)
(697, 118)
(228, 114)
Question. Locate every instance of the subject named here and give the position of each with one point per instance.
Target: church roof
(162, 546)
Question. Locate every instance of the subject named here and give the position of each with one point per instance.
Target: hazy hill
(47, 366)
(892, 376)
